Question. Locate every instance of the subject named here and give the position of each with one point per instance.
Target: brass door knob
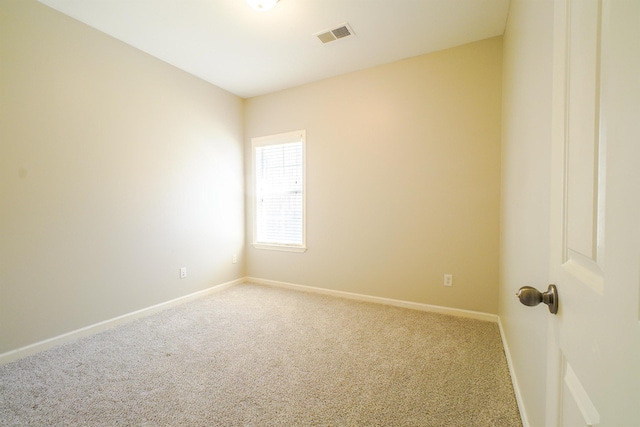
(531, 297)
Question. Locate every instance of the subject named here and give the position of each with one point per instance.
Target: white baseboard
(380, 300)
(19, 353)
(514, 379)
(107, 324)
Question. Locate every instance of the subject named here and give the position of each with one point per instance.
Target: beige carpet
(260, 356)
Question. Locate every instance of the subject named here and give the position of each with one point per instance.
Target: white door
(594, 340)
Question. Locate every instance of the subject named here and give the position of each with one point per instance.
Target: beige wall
(116, 169)
(403, 178)
(526, 158)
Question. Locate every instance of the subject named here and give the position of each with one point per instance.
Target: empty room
(320, 212)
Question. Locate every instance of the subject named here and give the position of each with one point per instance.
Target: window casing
(279, 195)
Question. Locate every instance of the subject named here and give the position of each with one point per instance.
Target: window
(279, 191)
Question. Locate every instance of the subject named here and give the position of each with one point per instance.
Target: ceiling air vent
(339, 32)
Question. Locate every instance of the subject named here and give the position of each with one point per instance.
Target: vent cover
(333, 34)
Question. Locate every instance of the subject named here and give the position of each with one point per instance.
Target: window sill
(285, 248)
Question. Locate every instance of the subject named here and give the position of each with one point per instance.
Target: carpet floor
(254, 355)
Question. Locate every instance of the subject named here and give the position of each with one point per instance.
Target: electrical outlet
(234, 259)
(183, 272)
(448, 280)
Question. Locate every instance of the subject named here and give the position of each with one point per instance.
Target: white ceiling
(250, 53)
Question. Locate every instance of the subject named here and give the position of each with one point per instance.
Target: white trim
(284, 248)
(28, 350)
(279, 138)
(380, 300)
(514, 379)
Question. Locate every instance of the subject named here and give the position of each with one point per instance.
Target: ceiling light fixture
(262, 5)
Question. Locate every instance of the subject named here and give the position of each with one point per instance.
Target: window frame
(277, 139)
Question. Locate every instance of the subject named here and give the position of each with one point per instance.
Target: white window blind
(279, 191)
